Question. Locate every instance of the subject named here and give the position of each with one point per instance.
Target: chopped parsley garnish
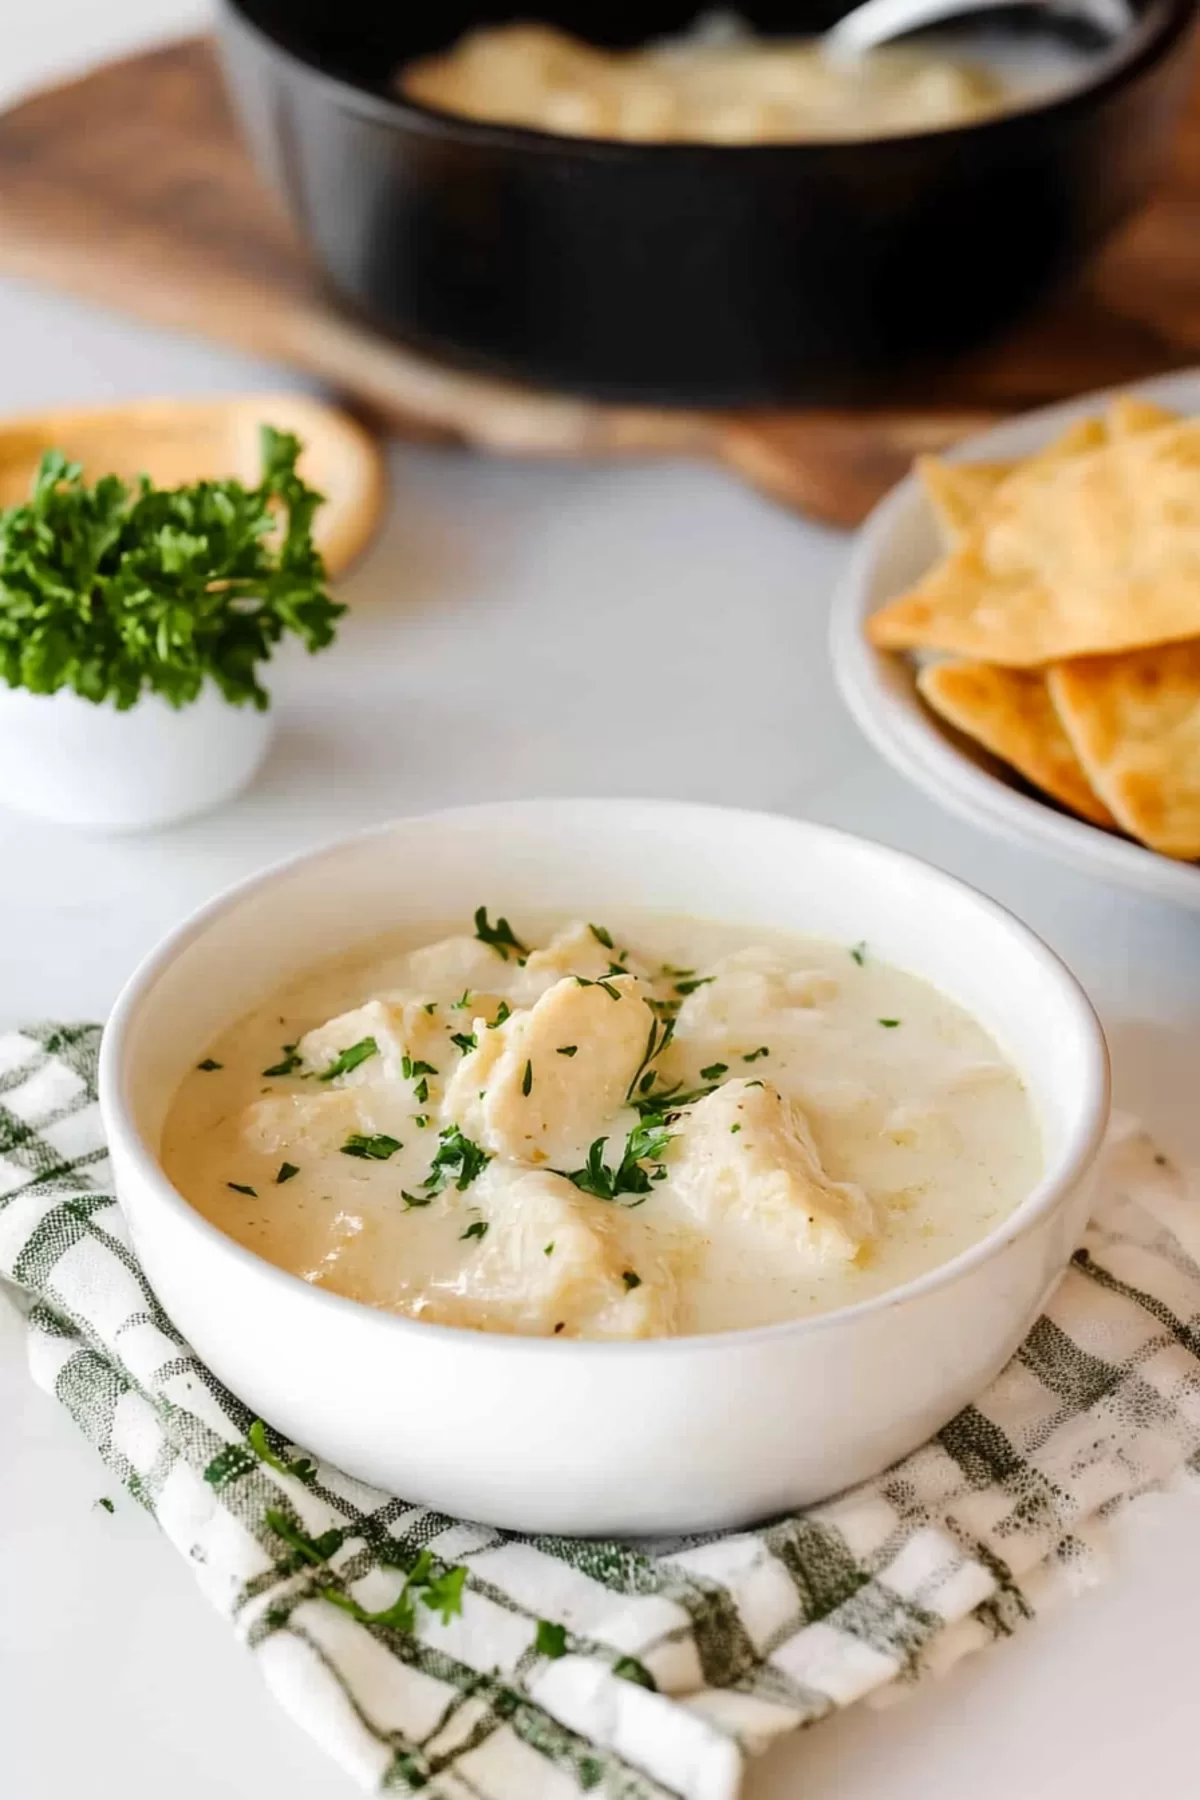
(431, 1007)
(466, 1040)
(889, 1024)
(499, 937)
(421, 1091)
(859, 953)
(645, 1144)
(350, 1059)
(677, 973)
(602, 937)
(669, 1101)
(208, 1065)
(566, 1049)
(478, 1229)
(409, 1068)
(286, 1171)
(375, 1149)
(106, 1503)
(660, 1036)
(505, 1012)
(457, 1160)
(441, 1593)
(288, 1066)
(548, 1250)
(411, 1200)
(756, 1055)
(690, 986)
(714, 1071)
(527, 1080)
(631, 1279)
(301, 1468)
(239, 1187)
(612, 992)
(628, 1668)
(421, 1121)
(551, 1639)
(463, 1000)
(735, 1128)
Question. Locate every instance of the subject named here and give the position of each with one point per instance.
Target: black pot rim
(1167, 22)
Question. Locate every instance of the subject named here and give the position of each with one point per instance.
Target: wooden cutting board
(131, 187)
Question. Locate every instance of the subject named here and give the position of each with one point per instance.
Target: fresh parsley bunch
(115, 592)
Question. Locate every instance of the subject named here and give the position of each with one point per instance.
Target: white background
(519, 630)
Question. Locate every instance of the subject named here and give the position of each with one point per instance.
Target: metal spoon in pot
(876, 21)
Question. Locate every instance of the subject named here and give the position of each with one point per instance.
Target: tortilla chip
(1135, 724)
(1128, 415)
(1009, 712)
(959, 492)
(1090, 554)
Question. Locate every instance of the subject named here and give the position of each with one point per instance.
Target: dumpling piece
(745, 1157)
(742, 992)
(457, 965)
(319, 1123)
(554, 1263)
(546, 1082)
(575, 950)
(397, 1028)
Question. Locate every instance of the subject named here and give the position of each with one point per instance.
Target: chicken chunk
(575, 950)
(542, 1085)
(745, 1156)
(399, 1028)
(553, 1262)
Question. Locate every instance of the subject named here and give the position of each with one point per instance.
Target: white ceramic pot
(683, 1434)
(65, 759)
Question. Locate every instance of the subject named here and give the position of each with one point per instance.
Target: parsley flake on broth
(506, 1163)
(378, 1148)
(500, 936)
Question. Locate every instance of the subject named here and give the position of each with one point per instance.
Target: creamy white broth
(860, 1129)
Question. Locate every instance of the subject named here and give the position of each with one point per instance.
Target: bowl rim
(905, 733)
(1083, 1142)
(1152, 38)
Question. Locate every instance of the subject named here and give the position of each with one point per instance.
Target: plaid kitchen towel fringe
(551, 1668)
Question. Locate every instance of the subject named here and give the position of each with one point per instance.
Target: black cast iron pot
(690, 274)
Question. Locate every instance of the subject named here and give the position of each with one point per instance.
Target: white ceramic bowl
(896, 545)
(681, 1434)
(65, 759)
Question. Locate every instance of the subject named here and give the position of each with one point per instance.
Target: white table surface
(521, 630)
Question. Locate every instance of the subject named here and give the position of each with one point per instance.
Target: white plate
(896, 545)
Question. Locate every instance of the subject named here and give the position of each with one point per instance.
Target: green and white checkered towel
(657, 1667)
